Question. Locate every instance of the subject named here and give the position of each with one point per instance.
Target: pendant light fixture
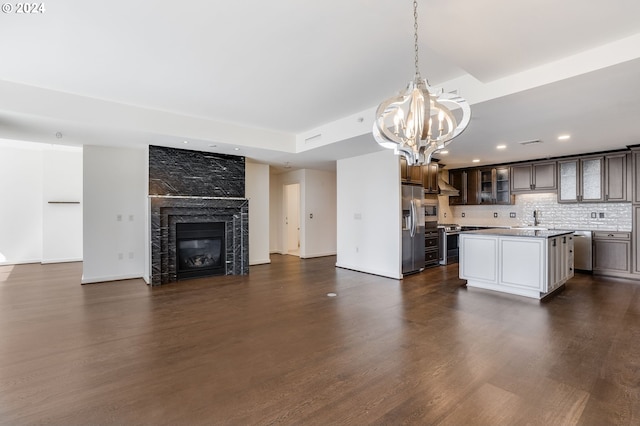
(421, 120)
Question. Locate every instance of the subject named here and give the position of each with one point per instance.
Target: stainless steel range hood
(446, 189)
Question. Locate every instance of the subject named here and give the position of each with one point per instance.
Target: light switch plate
(512, 215)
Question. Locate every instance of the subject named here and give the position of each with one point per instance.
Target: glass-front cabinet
(581, 180)
(494, 186)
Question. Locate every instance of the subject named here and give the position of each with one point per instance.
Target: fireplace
(231, 231)
(199, 215)
(200, 249)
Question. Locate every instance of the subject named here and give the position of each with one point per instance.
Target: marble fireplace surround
(167, 211)
(196, 187)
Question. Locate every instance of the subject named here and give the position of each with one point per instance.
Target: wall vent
(313, 138)
(531, 142)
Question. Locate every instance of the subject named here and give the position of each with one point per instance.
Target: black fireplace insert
(200, 249)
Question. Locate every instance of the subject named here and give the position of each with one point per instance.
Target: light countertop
(527, 233)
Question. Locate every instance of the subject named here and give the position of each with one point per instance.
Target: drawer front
(431, 234)
(431, 255)
(431, 242)
(614, 235)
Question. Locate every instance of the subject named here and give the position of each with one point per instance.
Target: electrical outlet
(445, 214)
(462, 214)
(512, 215)
(594, 215)
(601, 215)
(495, 214)
(119, 218)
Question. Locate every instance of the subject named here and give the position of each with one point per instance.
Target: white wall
(62, 223)
(257, 190)
(369, 217)
(31, 229)
(115, 213)
(21, 202)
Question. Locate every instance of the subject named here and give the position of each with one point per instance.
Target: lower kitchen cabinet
(612, 253)
(516, 262)
(636, 240)
(431, 248)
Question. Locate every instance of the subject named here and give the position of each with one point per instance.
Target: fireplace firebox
(200, 249)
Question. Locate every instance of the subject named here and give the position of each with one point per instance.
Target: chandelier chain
(415, 34)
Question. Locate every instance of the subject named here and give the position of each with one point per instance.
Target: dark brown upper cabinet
(534, 177)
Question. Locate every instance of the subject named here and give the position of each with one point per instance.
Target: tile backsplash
(551, 214)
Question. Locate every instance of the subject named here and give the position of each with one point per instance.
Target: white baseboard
(47, 261)
(93, 280)
(19, 262)
(259, 262)
(385, 274)
(310, 256)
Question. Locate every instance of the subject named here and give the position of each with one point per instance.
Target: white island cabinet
(528, 263)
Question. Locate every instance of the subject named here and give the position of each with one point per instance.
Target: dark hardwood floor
(272, 348)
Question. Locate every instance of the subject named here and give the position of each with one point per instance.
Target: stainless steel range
(448, 234)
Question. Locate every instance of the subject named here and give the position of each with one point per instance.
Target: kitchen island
(530, 263)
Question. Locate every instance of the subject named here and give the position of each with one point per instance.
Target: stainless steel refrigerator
(412, 229)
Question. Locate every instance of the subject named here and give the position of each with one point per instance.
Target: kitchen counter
(530, 263)
(519, 232)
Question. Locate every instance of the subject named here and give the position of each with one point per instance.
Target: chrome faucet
(536, 218)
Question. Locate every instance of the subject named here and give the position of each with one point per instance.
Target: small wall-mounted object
(495, 214)
(594, 215)
(601, 215)
(462, 214)
(512, 215)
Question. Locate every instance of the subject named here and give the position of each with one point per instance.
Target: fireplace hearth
(200, 249)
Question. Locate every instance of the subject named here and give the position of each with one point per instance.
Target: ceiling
(532, 70)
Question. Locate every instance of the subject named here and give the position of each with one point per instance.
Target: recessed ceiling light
(185, 141)
(564, 137)
(501, 147)
(443, 152)
(236, 149)
(475, 160)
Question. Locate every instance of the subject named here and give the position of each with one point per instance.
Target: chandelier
(421, 120)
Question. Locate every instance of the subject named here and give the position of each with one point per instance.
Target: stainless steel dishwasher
(582, 247)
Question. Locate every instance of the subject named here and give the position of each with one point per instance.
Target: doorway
(292, 219)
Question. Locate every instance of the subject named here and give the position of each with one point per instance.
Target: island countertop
(528, 233)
